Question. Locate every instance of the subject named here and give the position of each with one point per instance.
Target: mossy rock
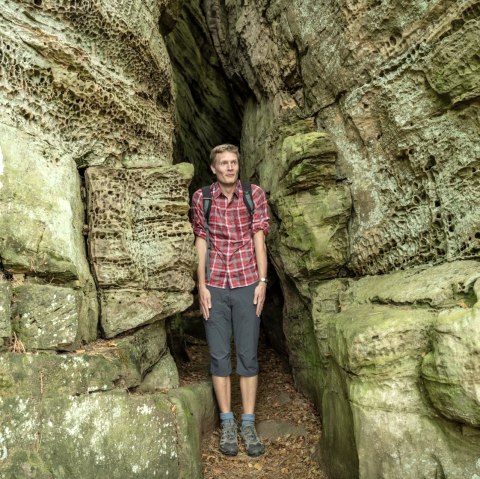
(95, 435)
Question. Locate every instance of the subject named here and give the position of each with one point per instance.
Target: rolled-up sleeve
(197, 215)
(260, 215)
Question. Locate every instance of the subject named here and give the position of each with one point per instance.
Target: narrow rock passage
(286, 421)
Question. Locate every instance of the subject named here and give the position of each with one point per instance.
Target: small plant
(16, 345)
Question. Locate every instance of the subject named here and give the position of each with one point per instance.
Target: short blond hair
(222, 149)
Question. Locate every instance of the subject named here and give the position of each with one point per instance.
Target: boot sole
(228, 453)
(256, 454)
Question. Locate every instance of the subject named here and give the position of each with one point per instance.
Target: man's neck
(227, 190)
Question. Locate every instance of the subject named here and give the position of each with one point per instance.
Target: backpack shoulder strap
(207, 206)
(207, 202)
(247, 197)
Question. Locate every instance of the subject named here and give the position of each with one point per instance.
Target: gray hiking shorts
(233, 311)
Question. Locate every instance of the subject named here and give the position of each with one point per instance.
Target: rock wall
(362, 125)
(208, 110)
(95, 245)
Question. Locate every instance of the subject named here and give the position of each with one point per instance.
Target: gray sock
(227, 418)
(248, 420)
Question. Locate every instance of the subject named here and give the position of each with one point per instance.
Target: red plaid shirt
(232, 255)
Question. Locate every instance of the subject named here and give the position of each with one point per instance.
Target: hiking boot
(253, 444)
(228, 440)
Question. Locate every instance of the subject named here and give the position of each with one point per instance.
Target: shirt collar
(216, 191)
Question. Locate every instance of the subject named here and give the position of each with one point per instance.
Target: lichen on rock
(95, 246)
(372, 236)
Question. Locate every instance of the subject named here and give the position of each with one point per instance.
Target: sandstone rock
(446, 285)
(127, 309)
(42, 230)
(271, 430)
(313, 239)
(164, 375)
(381, 80)
(379, 340)
(101, 366)
(140, 239)
(451, 67)
(143, 348)
(196, 415)
(51, 317)
(451, 370)
(139, 235)
(73, 70)
(47, 375)
(88, 85)
(303, 349)
(5, 300)
(98, 434)
(206, 110)
(378, 331)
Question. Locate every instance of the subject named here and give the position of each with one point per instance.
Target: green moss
(5, 382)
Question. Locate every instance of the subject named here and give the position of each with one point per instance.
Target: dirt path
(286, 420)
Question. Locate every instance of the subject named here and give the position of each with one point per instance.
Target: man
(232, 298)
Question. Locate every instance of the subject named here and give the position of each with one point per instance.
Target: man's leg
(221, 386)
(218, 329)
(248, 387)
(246, 330)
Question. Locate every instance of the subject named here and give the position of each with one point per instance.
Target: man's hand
(259, 297)
(205, 301)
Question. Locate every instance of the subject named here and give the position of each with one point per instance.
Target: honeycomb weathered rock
(70, 68)
(395, 86)
(86, 90)
(139, 234)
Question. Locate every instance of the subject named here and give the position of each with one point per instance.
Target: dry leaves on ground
(286, 456)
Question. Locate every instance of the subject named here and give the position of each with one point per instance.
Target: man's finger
(259, 308)
(205, 311)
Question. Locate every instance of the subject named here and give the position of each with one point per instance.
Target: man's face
(226, 168)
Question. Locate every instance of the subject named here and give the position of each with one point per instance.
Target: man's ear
(214, 171)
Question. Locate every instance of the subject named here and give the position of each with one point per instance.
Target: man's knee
(220, 365)
(247, 365)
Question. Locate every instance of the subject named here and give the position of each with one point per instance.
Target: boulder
(42, 232)
(163, 375)
(139, 234)
(140, 243)
(101, 366)
(87, 435)
(5, 301)
(384, 389)
(123, 310)
(451, 371)
(52, 317)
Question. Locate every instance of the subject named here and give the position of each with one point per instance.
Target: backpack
(207, 206)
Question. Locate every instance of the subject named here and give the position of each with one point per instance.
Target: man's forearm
(201, 246)
(260, 253)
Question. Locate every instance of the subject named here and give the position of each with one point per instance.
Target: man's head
(222, 149)
(224, 162)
